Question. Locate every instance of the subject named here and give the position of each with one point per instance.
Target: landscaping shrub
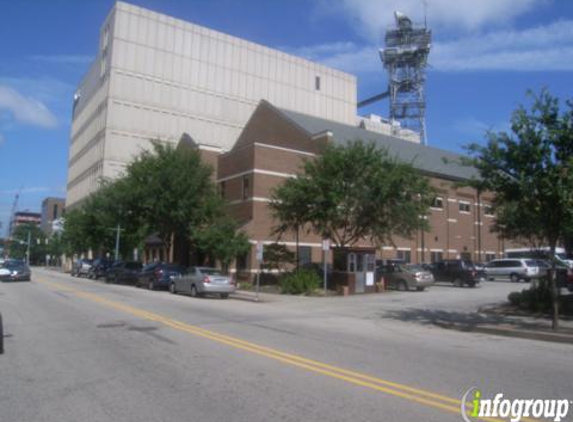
(537, 299)
(299, 282)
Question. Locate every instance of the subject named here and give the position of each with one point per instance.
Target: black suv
(457, 271)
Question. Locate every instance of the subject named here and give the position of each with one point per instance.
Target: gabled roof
(428, 159)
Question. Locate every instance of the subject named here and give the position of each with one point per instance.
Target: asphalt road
(79, 350)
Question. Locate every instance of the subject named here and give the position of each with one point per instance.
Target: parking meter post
(258, 283)
(324, 273)
(1, 336)
(259, 260)
(325, 248)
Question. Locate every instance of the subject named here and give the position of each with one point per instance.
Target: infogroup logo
(516, 409)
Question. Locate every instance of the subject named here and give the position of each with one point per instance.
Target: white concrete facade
(156, 77)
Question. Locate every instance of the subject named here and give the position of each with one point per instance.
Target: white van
(540, 253)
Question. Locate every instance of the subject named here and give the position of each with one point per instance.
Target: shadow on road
(464, 320)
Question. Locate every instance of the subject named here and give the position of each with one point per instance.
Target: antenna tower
(405, 57)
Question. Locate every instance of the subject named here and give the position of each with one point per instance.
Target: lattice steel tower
(405, 57)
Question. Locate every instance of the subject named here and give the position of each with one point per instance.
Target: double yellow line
(424, 397)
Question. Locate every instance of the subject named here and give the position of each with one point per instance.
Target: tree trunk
(552, 286)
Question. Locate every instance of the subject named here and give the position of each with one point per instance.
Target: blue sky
(485, 55)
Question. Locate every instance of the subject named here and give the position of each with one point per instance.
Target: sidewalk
(526, 327)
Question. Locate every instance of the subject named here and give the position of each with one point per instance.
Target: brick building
(272, 147)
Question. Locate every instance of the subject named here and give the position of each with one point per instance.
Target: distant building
(52, 210)
(25, 217)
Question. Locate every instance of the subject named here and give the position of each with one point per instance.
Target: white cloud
(345, 56)
(26, 110)
(473, 127)
(542, 48)
(546, 48)
(371, 17)
(74, 59)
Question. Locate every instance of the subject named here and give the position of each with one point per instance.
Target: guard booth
(355, 268)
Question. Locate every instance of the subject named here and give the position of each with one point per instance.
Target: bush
(299, 282)
(536, 299)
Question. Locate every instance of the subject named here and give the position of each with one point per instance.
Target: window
(466, 256)
(404, 255)
(55, 212)
(437, 203)
(105, 38)
(241, 262)
(304, 255)
(488, 210)
(222, 188)
(317, 83)
(246, 187)
(436, 256)
(465, 207)
(489, 257)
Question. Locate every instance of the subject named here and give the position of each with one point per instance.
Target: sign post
(260, 257)
(325, 249)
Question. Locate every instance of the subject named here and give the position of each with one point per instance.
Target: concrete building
(52, 211)
(156, 77)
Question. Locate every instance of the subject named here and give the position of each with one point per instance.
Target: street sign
(326, 245)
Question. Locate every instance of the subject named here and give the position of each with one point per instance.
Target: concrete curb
(540, 335)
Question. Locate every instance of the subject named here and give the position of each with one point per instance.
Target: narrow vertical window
(246, 187)
(317, 83)
(222, 188)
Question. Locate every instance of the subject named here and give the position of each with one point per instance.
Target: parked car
(460, 272)
(199, 281)
(514, 270)
(405, 276)
(99, 268)
(15, 270)
(382, 266)
(81, 267)
(123, 272)
(158, 275)
(563, 274)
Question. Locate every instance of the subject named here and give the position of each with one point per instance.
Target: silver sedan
(198, 281)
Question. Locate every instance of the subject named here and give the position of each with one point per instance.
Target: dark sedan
(123, 272)
(15, 270)
(158, 275)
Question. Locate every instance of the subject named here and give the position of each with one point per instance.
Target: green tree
(530, 170)
(168, 191)
(19, 243)
(221, 240)
(354, 192)
(278, 256)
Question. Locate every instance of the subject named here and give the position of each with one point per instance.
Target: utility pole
(28, 249)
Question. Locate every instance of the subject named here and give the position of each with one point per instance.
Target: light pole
(28, 248)
(118, 230)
